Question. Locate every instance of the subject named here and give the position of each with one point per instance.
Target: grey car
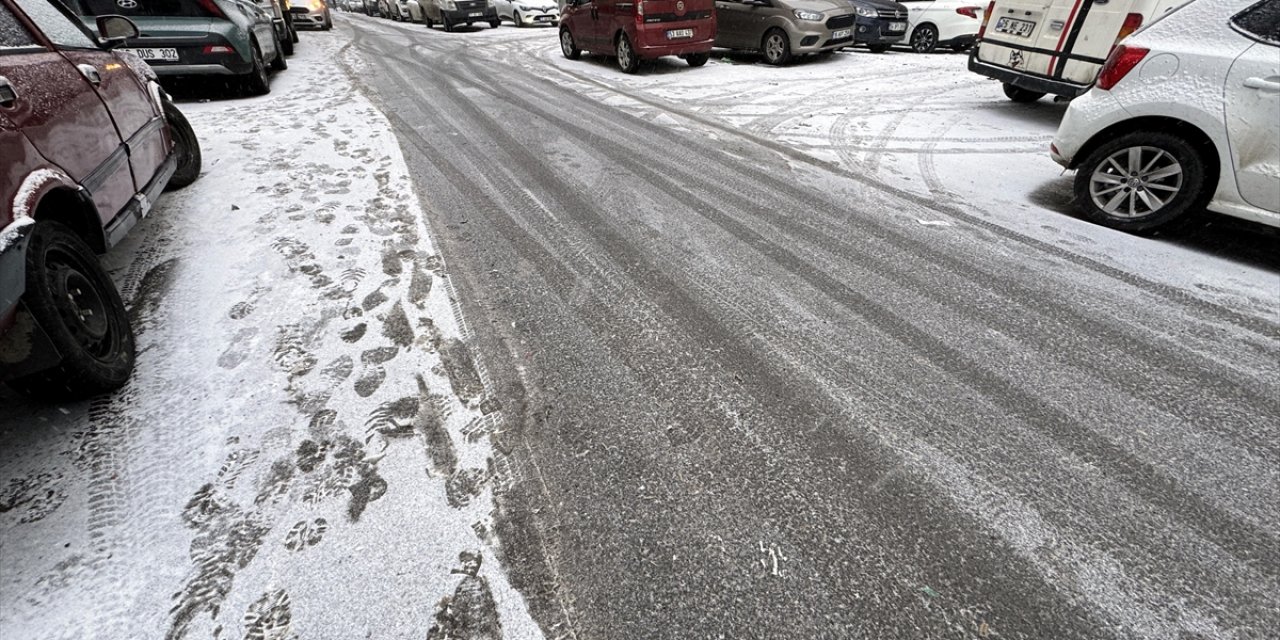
(783, 29)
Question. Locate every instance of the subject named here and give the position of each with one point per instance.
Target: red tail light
(1121, 61)
(212, 8)
(986, 17)
(971, 12)
(217, 48)
(1132, 22)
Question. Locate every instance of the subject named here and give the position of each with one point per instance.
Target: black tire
(515, 19)
(186, 148)
(279, 63)
(568, 46)
(328, 22)
(924, 39)
(287, 45)
(1020, 95)
(256, 82)
(878, 48)
(446, 22)
(960, 46)
(64, 279)
(1105, 194)
(293, 36)
(495, 23)
(628, 59)
(426, 19)
(697, 59)
(776, 47)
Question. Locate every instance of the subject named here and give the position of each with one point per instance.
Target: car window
(145, 8)
(56, 25)
(1262, 21)
(12, 34)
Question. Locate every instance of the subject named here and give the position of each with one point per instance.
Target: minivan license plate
(1021, 28)
(168, 55)
(897, 26)
(841, 34)
(475, 14)
(679, 33)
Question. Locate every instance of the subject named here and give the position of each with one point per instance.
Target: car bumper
(213, 69)
(1086, 116)
(876, 31)
(468, 17)
(1024, 80)
(651, 40)
(535, 18)
(817, 39)
(310, 20)
(195, 57)
(967, 40)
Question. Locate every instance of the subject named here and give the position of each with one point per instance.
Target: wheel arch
(74, 209)
(1198, 139)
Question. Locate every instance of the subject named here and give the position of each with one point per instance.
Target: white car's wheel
(1142, 181)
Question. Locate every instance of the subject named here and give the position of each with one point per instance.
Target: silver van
(782, 29)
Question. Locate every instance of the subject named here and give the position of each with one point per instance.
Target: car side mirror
(298, 10)
(113, 30)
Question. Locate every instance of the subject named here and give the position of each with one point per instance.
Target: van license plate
(1021, 28)
(475, 14)
(675, 34)
(897, 26)
(167, 55)
(841, 34)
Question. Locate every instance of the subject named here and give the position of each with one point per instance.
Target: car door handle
(8, 95)
(1266, 85)
(90, 73)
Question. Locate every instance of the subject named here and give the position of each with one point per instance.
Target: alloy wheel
(773, 48)
(1135, 182)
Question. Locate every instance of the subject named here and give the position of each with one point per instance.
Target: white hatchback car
(1184, 116)
(524, 13)
(942, 23)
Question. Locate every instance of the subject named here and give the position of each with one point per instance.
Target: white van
(1036, 47)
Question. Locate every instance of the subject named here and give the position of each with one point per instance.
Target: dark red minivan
(636, 30)
(88, 140)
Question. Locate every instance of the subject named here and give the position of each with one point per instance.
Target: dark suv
(880, 23)
(87, 142)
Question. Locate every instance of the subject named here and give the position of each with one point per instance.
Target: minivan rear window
(143, 8)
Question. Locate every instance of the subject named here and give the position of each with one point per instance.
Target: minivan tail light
(1118, 65)
(971, 12)
(986, 17)
(1132, 22)
(212, 8)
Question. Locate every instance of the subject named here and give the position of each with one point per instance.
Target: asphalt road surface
(753, 397)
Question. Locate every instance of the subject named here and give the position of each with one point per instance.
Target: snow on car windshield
(144, 8)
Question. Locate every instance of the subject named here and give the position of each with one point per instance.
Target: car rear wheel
(515, 17)
(1141, 182)
(495, 23)
(924, 39)
(568, 47)
(697, 59)
(256, 83)
(186, 148)
(628, 61)
(776, 47)
(960, 46)
(287, 45)
(1020, 95)
(73, 300)
(279, 63)
(446, 22)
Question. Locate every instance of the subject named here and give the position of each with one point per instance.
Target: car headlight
(866, 12)
(448, 5)
(525, 8)
(808, 15)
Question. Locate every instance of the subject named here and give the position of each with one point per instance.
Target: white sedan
(1183, 117)
(942, 23)
(524, 13)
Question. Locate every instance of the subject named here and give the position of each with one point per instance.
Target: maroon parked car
(88, 140)
(639, 30)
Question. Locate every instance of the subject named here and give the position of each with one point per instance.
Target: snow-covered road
(733, 352)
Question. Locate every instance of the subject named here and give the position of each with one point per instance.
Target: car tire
(776, 47)
(446, 23)
(1020, 95)
(186, 147)
(287, 45)
(697, 59)
(428, 21)
(328, 23)
(924, 39)
(257, 83)
(279, 63)
(567, 45)
(515, 19)
(495, 23)
(63, 280)
(960, 46)
(628, 59)
(878, 48)
(1166, 182)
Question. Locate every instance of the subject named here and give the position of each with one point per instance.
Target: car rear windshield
(144, 8)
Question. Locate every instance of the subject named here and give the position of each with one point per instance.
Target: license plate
(841, 34)
(475, 14)
(897, 26)
(168, 55)
(1021, 28)
(679, 33)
